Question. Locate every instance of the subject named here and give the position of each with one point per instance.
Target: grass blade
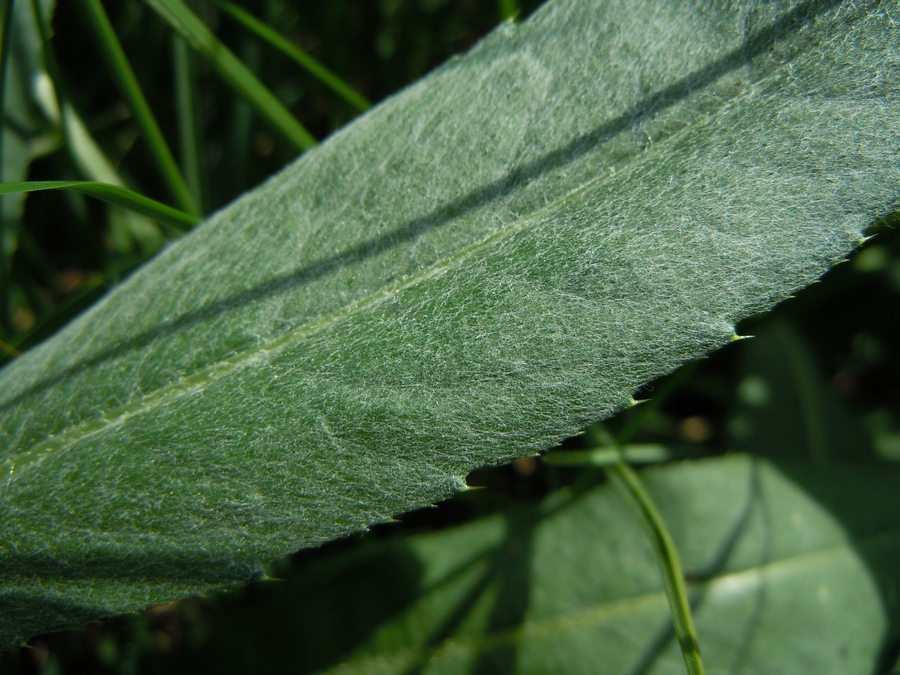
(304, 60)
(189, 26)
(187, 118)
(144, 117)
(84, 150)
(112, 194)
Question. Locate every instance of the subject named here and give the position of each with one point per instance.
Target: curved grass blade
(613, 457)
(189, 26)
(144, 117)
(301, 58)
(112, 194)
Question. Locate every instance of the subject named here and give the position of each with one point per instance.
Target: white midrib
(196, 382)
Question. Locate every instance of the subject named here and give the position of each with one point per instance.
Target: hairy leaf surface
(471, 272)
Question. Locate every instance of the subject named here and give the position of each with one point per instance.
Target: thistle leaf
(472, 271)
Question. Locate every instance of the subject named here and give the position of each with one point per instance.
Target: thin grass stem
(301, 58)
(112, 194)
(189, 26)
(669, 561)
(131, 90)
(187, 118)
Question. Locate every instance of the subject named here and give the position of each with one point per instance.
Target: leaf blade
(427, 292)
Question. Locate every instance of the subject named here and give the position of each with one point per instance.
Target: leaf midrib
(197, 382)
(254, 355)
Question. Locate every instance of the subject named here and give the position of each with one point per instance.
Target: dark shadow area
(756, 44)
(55, 615)
(510, 572)
(330, 606)
(315, 618)
(129, 566)
(153, 573)
(151, 565)
(512, 565)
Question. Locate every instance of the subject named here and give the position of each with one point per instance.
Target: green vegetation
(507, 252)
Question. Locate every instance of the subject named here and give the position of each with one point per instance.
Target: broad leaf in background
(471, 272)
(788, 565)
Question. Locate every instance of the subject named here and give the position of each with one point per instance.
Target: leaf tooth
(737, 338)
(265, 578)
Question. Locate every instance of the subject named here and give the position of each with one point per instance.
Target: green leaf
(787, 566)
(471, 272)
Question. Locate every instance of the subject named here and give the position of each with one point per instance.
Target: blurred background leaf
(791, 568)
